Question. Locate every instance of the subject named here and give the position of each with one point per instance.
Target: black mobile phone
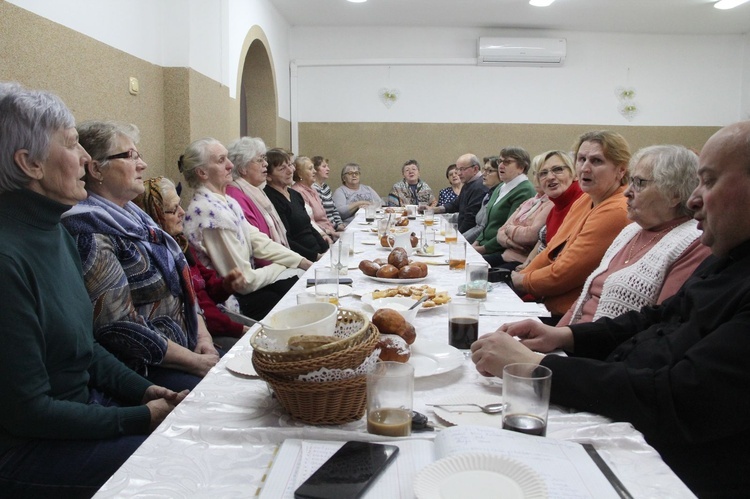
(342, 280)
(349, 472)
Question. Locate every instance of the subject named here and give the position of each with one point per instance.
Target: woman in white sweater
(223, 238)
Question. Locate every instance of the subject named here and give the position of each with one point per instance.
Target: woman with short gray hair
(67, 402)
(353, 195)
(653, 256)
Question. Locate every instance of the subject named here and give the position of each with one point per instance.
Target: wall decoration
(389, 96)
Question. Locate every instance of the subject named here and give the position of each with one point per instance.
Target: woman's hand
(202, 363)
(234, 281)
(492, 352)
(517, 280)
(205, 343)
(479, 248)
(540, 337)
(160, 402)
(304, 264)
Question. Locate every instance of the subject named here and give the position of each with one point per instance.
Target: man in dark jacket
(469, 201)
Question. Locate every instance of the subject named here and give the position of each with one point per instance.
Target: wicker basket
(321, 403)
(351, 326)
(347, 358)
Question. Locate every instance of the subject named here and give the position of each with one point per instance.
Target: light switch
(134, 87)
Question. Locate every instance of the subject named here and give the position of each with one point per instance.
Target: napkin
(513, 307)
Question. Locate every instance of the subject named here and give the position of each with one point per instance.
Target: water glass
(390, 397)
(327, 285)
(526, 389)
(476, 280)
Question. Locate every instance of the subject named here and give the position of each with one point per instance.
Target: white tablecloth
(219, 441)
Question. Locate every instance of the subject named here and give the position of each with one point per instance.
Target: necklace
(637, 239)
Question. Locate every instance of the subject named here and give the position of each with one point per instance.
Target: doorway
(258, 101)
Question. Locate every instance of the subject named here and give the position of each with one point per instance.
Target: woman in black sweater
(303, 238)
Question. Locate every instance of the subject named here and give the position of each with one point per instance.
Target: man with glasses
(469, 201)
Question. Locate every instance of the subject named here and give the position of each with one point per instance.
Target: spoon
(494, 408)
(419, 302)
(242, 319)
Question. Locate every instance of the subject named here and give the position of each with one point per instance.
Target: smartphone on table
(349, 472)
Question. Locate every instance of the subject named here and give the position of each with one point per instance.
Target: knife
(607, 471)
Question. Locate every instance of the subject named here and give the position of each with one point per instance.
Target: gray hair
(195, 156)
(99, 138)
(28, 119)
(349, 167)
(674, 170)
(242, 151)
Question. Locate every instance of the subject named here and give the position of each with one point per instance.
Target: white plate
(437, 253)
(369, 243)
(365, 223)
(344, 289)
(470, 414)
(479, 475)
(431, 357)
(242, 364)
(367, 300)
(396, 281)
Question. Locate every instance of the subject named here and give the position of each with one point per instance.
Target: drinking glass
(327, 285)
(476, 280)
(463, 323)
(428, 242)
(340, 256)
(526, 389)
(451, 232)
(390, 396)
(457, 256)
(429, 217)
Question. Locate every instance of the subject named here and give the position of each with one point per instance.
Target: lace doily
(324, 374)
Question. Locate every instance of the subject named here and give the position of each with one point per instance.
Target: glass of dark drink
(463, 323)
(526, 390)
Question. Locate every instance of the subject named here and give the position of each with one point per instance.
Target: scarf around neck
(97, 215)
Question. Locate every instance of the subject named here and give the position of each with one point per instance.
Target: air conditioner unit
(521, 51)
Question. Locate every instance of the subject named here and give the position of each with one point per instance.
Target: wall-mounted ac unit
(521, 51)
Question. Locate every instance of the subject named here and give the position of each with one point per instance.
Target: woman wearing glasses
(490, 179)
(519, 233)
(135, 273)
(556, 275)
(353, 195)
(653, 256)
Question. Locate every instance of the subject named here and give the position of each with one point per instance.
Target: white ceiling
(626, 16)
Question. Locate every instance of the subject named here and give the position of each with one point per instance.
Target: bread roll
(369, 267)
(414, 240)
(393, 348)
(398, 258)
(387, 271)
(409, 272)
(422, 267)
(388, 321)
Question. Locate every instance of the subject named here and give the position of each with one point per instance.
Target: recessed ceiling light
(541, 3)
(728, 4)
(357, 1)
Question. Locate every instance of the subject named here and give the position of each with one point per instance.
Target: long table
(220, 440)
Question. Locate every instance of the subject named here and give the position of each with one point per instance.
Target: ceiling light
(543, 3)
(357, 1)
(728, 4)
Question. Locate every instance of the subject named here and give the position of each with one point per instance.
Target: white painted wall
(680, 80)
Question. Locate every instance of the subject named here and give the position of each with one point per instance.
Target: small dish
(474, 474)
(242, 364)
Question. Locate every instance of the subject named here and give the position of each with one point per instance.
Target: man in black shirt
(469, 200)
(678, 371)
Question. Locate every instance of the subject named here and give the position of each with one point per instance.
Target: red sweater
(209, 288)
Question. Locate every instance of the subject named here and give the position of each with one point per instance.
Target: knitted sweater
(637, 285)
(498, 213)
(326, 197)
(556, 275)
(49, 357)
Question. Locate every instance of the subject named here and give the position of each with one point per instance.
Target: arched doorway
(258, 101)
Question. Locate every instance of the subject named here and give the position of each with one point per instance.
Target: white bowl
(308, 319)
(400, 304)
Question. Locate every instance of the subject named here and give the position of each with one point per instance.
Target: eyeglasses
(352, 173)
(507, 161)
(638, 183)
(172, 212)
(258, 159)
(555, 170)
(129, 154)
(464, 168)
(489, 171)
